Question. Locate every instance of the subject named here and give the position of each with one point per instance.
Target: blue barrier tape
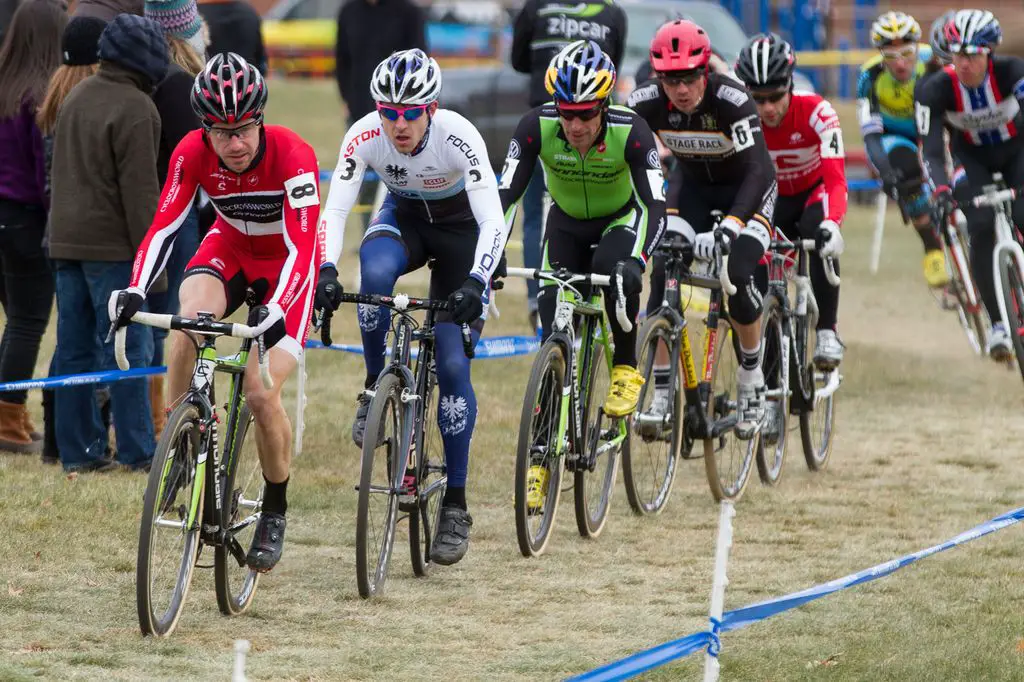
(81, 379)
(740, 618)
(487, 347)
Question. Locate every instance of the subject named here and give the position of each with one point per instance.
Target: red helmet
(680, 45)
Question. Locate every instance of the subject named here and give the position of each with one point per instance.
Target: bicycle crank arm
(724, 425)
(235, 547)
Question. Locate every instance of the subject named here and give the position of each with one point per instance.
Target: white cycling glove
(829, 240)
(704, 246)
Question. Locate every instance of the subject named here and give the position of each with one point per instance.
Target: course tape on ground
(864, 185)
(488, 347)
(740, 618)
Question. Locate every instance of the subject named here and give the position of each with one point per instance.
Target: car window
(727, 36)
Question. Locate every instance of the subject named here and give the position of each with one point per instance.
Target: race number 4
(923, 114)
(302, 191)
(832, 144)
(742, 137)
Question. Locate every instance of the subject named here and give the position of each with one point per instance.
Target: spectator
(7, 8)
(104, 171)
(79, 47)
(186, 40)
(369, 31)
(235, 27)
(28, 57)
(106, 9)
(541, 29)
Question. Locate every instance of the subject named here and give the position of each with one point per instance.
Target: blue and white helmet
(973, 30)
(407, 77)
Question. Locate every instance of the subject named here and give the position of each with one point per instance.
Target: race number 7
(742, 137)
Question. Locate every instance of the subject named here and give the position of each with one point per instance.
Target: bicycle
(965, 296)
(412, 476)
(700, 408)
(201, 505)
(1007, 261)
(794, 385)
(561, 425)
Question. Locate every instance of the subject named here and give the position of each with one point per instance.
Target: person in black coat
(369, 31)
(235, 27)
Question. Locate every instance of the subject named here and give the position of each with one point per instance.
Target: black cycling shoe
(267, 543)
(452, 540)
(359, 425)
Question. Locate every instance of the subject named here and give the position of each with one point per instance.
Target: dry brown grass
(927, 445)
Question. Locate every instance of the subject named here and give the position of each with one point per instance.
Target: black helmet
(766, 61)
(229, 90)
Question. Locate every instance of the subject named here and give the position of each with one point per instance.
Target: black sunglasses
(581, 114)
(772, 97)
(688, 78)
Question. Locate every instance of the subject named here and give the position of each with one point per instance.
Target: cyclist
(885, 108)
(262, 181)
(442, 205)
(804, 139)
(708, 122)
(978, 98)
(604, 176)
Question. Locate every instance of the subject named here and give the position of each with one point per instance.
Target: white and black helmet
(766, 61)
(406, 77)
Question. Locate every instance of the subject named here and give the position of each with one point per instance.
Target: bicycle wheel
(604, 439)
(379, 480)
(242, 489)
(649, 465)
(771, 441)
(431, 481)
(1013, 297)
(172, 512)
(817, 413)
(969, 308)
(727, 459)
(538, 453)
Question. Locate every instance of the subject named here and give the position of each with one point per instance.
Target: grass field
(928, 444)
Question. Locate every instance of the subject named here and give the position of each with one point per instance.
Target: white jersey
(448, 179)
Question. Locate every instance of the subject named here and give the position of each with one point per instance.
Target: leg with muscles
(456, 417)
(913, 198)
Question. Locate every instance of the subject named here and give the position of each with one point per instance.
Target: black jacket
(544, 27)
(235, 27)
(172, 100)
(367, 33)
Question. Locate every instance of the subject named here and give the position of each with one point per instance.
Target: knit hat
(80, 44)
(136, 43)
(180, 18)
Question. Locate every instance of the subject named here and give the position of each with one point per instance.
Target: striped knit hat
(180, 18)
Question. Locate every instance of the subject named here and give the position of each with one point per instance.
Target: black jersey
(720, 143)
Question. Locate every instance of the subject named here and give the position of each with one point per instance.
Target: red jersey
(274, 206)
(807, 148)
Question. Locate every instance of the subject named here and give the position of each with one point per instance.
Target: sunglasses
(228, 134)
(394, 113)
(684, 79)
(905, 52)
(582, 114)
(768, 97)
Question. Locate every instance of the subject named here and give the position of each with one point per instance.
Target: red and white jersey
(275, 205)
(807, 148)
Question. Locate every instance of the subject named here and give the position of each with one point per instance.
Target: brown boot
(157, 406)
(31, 428)
(14, 436)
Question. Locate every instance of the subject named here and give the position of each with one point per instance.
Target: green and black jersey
(621, 171)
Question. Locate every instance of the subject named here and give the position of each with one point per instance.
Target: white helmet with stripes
(407, 77)
(893, 26)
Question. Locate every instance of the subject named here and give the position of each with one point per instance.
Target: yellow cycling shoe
(536, 488)
(624, 391)
(935, 269)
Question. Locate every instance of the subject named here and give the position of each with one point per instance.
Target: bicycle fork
(1006, 243)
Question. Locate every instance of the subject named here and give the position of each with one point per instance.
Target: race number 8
(742, 137)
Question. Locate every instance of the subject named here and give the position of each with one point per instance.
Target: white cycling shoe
(999, 348)
(749, 402)
(828, 350)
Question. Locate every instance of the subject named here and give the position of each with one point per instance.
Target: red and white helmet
(229, 90)
(680, 45)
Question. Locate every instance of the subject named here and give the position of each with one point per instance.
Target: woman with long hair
(187, 39)
(28, 57)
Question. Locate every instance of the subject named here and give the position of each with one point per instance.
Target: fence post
(727, 511)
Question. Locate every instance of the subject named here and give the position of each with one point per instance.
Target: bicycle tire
(386, 407)
(543, 401)
(770, 456)
(591, 519)
(1012, 280)
(971, 316)
(650, 494)
(720, 397)
(431, 479)
(816, 449)
(225, 566)
(168, 467)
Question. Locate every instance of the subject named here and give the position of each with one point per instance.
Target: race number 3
(923, 114)
(742, 137)
(302, 191)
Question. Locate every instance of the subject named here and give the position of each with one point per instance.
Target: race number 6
(742, 137)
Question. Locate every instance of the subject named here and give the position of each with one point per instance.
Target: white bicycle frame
(1001, 201)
